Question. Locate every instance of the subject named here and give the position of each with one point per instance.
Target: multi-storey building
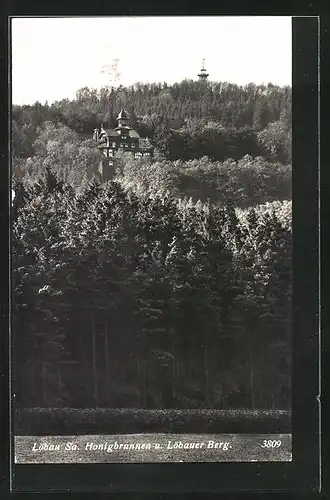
(122, 138)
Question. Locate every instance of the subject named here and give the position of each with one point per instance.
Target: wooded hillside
(170, 286)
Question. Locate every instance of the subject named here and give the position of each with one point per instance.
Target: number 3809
(271, 443)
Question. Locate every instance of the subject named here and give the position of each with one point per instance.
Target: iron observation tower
(203, 75)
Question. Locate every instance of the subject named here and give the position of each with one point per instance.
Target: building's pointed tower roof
(123, 128)
(122, 115)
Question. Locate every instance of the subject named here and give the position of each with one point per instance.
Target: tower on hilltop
(203, 75)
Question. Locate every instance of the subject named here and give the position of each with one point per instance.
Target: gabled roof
(133, 133)
(122, 114)
(111, 132)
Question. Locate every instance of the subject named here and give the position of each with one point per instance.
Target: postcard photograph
(151, 239)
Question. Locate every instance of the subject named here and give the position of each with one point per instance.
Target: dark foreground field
(73, 421)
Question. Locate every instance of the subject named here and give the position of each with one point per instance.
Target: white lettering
(218, 445)
(70, 446)
(45, 447)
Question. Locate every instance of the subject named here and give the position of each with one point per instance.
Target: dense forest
(185, 121)
(169, 286)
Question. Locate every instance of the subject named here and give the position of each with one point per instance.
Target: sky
(53, 57)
